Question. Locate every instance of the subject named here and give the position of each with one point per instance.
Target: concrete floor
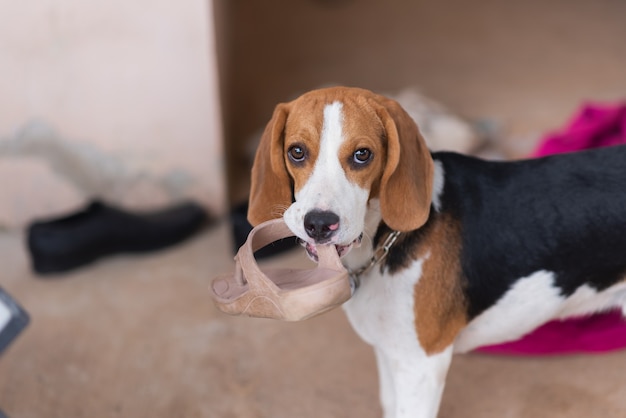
(138, 336)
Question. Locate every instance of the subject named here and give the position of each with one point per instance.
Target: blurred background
(145, 103)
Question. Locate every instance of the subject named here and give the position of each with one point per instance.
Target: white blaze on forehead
(327, 171)
(328, 187)
(331, 138)
(332, 128)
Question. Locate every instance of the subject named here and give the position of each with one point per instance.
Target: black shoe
(241, 229)
(62, 244)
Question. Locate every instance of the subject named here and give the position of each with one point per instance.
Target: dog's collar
(380, 253)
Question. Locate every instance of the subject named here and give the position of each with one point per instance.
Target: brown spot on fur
(407, 180)
(270, 192)
(440, 305)
(300, 172)
(369, 173)
(303, 128)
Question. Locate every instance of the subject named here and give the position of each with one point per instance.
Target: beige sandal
(286, 294)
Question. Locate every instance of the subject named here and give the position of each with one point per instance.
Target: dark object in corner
(58, 245)
(241, 229)
(13, 320)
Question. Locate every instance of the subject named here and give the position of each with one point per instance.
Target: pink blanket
(593, 126)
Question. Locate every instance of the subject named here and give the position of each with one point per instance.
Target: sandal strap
(271, 231)
(245, 264)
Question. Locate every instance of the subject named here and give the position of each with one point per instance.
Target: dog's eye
(296, 153)
(362, 156)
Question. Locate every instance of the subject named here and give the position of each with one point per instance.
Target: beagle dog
(448, 252)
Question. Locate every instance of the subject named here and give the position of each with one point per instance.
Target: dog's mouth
(311, 248)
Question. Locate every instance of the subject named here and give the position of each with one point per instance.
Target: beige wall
(125, 98)
(525, 65)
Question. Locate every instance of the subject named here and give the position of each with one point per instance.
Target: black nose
(321, 225)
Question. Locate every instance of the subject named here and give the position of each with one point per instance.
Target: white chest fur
(382, 313)
(382, 309)
(383, 306)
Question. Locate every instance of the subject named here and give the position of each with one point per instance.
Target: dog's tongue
(311, 249)
(341, 249)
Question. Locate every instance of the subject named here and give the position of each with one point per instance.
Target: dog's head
(324, 156)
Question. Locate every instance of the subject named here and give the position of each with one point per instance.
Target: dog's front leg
(385, 384)
(411, 386)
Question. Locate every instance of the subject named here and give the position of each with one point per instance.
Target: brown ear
(270, 191)
(407, 180)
